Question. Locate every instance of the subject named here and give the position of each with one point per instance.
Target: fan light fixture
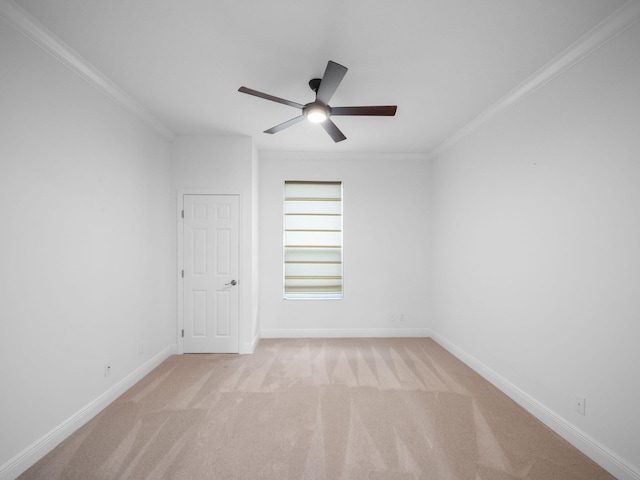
(316, 113)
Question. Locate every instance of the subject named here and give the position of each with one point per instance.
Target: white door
(210, 286)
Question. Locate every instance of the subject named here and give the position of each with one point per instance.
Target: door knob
(232, 282)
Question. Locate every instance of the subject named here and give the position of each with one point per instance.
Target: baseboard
(600, 454)
(346, 333)
(38, 449)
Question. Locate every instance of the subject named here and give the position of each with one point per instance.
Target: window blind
(312, 239)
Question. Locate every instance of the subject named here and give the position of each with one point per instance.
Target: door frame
(180, 260)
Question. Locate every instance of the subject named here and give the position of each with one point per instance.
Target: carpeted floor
(389, 409)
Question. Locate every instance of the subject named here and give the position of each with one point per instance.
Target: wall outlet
(107, 369)
(141, 347)
(579, 405)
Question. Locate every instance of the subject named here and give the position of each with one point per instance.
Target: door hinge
(182, 213)
(183, 333)
(182, 273)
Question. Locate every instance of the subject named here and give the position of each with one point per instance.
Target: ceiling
(443, 62)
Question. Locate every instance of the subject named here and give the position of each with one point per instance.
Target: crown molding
(618, 21)
(26, 24)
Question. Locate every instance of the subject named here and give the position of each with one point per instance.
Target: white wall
(87, 257)
(385, 246)
(227, 165)
(536, 249)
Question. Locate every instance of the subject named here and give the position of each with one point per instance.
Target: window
(313, 240)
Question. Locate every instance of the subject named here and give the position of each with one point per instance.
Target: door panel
(211, 244)
(199, 316)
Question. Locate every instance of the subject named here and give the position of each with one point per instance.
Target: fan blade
(284, 125)
(266, 96)
(381, 111)
(333, 131)
(333, 75)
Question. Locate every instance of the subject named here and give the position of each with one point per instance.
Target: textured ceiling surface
(442, 62)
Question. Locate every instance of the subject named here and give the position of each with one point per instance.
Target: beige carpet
(389, 409)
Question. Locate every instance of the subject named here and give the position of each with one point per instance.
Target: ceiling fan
(319, 110)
